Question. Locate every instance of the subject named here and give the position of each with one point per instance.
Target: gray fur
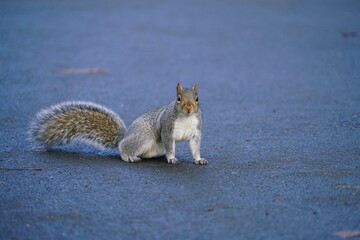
(156, 128)
(152, 134)
(38, 126)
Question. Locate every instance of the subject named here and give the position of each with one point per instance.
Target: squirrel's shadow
(88, 153)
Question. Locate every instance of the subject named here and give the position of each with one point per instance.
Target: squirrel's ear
(195, 87)
(179, 88)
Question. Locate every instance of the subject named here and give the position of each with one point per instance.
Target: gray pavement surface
(279, 85)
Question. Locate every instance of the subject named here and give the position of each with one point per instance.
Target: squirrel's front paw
(173, 161)
(201, 161)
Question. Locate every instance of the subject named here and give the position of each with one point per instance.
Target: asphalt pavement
(279, 86)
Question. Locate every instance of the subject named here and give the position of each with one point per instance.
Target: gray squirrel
(152, 134)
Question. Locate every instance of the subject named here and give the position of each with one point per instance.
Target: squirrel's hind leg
(132, 151)
(132, 159)
(139, 142)
(135, 146)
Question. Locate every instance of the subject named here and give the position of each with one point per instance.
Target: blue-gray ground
(280, 91)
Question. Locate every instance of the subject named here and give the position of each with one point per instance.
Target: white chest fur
(185, 128)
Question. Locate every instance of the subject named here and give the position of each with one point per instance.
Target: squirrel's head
(187, 99)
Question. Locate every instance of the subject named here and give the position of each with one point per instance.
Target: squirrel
(152, 134)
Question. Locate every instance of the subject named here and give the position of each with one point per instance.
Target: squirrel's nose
(188, 108)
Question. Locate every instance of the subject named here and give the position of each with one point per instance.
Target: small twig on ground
(348, 233)
(31, 169)
(81, 71)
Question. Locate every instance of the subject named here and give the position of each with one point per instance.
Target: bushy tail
(80, 121)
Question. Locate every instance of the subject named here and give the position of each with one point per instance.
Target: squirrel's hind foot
(133, 159)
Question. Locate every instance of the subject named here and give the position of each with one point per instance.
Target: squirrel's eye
(178, 98)
(197, 99)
